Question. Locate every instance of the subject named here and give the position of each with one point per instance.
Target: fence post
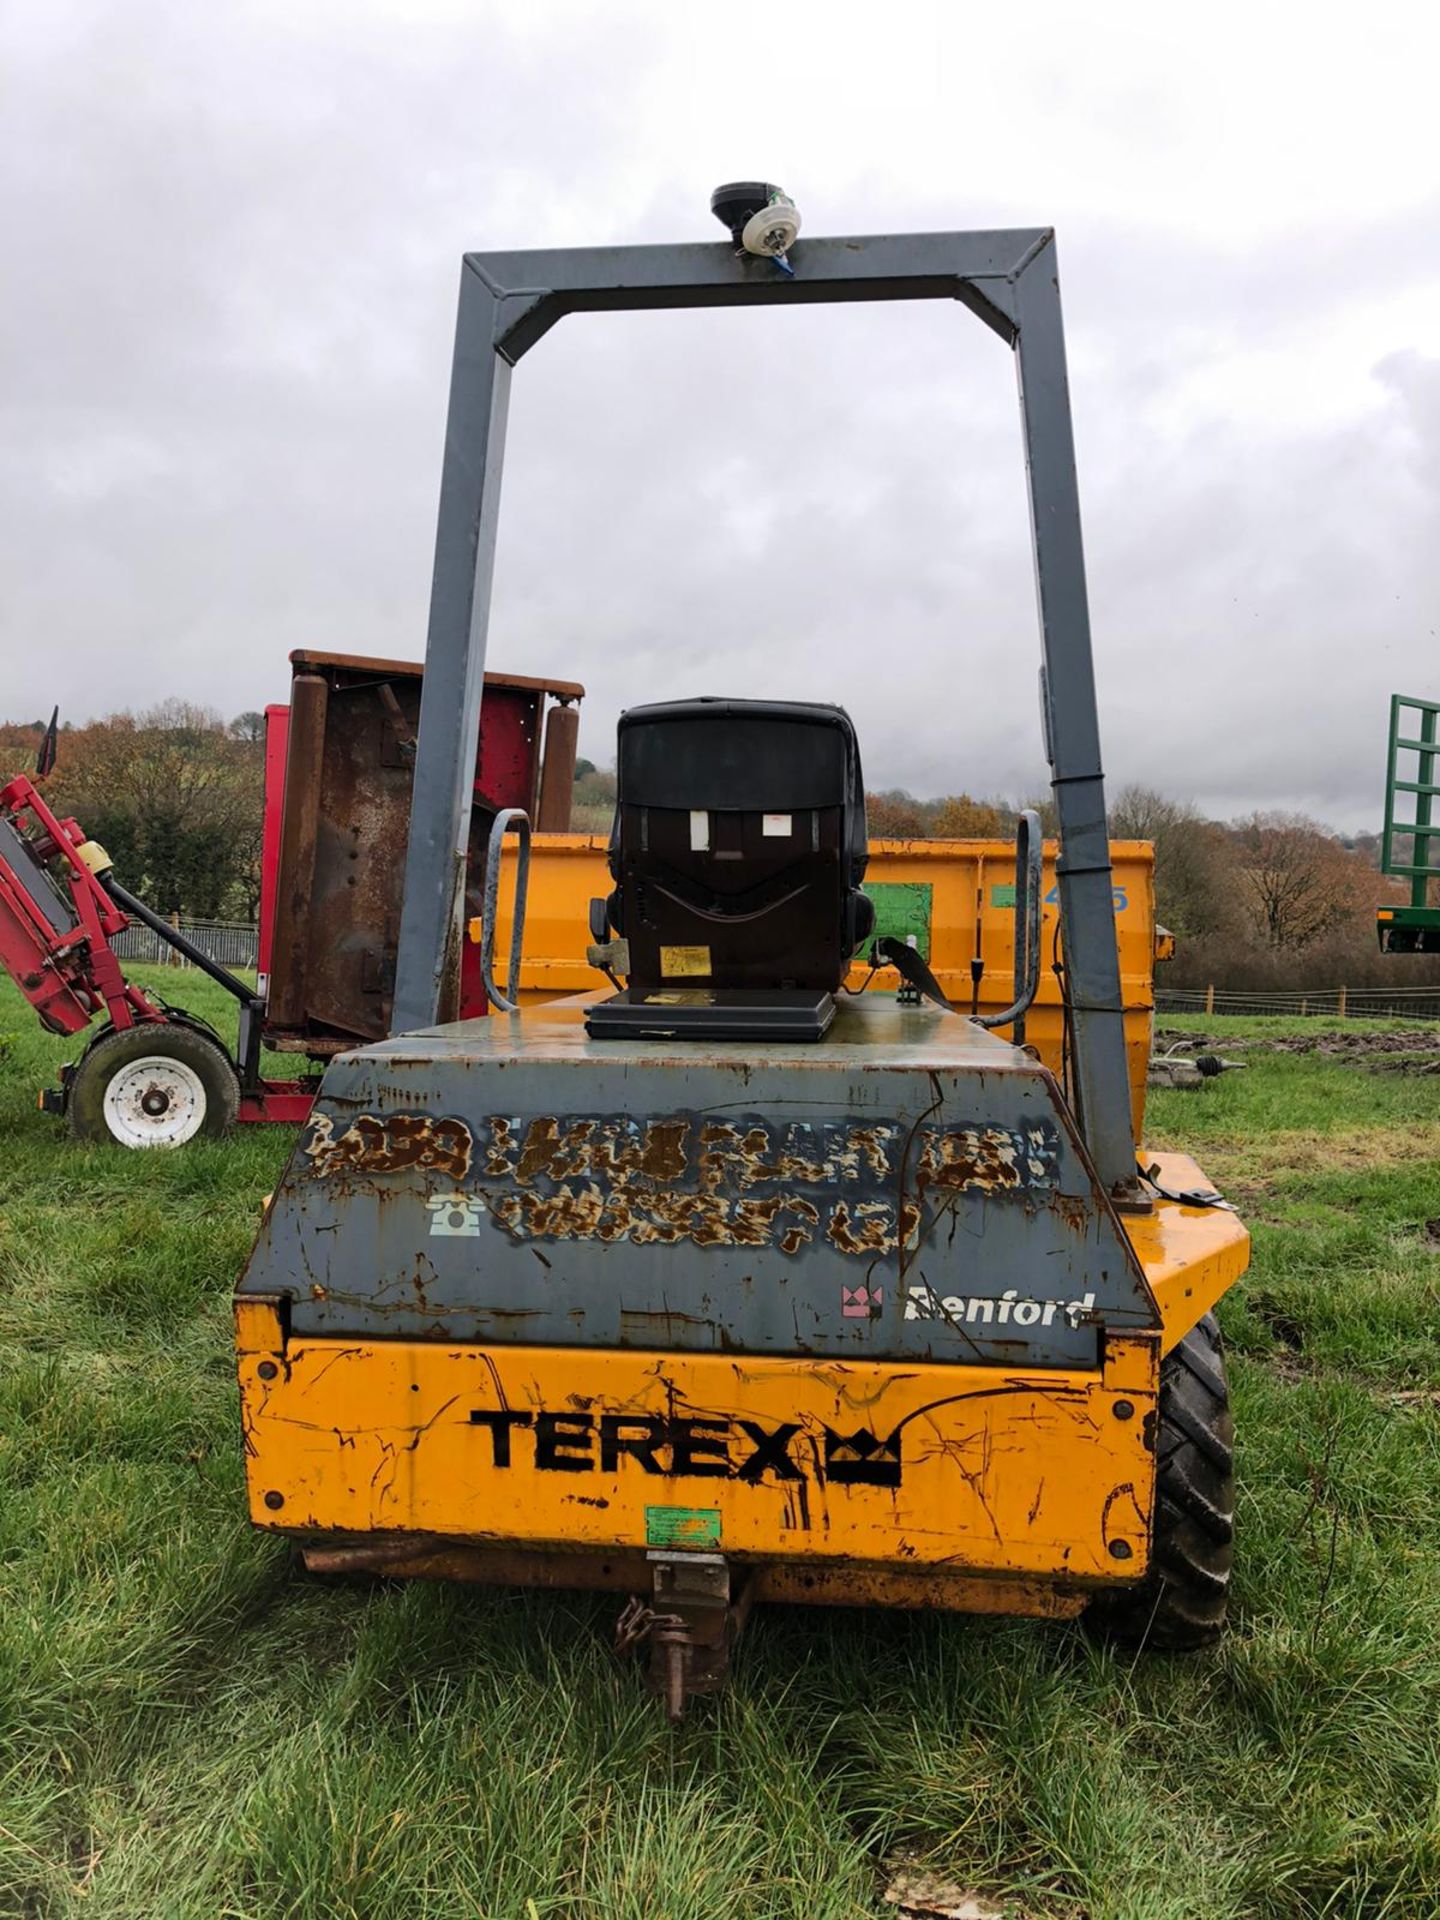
(174, 957)
(1304, 1008)
(1340, 1004)
(1209, 1000)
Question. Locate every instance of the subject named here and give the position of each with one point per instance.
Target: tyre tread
(1182, 1602)
(179, 1039)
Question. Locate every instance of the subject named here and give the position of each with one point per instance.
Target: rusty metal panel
(341, 866)
(294, 877)
(813, 1583)
(277, 744)
(912, 1186)
(507, 771)
(557, 779)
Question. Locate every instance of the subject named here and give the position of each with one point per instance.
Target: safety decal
(678, 963)
(861, 1303)
(455, 1215)
(690, 1527)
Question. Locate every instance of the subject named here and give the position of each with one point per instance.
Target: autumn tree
(894, 815)
(958, 817)
(1194, 860)
(1297, 880)
(592, 807)
(595, 787)
(19, 744)
(175, 798)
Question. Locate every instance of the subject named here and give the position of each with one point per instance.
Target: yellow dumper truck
(714, 1281)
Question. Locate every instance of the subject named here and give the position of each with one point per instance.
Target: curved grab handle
(1029, 880)
(517, 818)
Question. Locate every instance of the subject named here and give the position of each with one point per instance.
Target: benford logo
(1011, 1308)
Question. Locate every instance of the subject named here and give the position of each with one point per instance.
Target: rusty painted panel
(740, 1182)
(911, 1186)
(390, 1143)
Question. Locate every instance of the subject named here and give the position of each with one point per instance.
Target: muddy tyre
(1182, 1602)
(153, 1086)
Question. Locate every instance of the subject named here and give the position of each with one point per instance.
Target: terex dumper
(717, 1285)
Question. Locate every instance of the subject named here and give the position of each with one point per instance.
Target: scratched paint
(746, 1182)
(922, 1465)
(389, 1143)
(787, 1207)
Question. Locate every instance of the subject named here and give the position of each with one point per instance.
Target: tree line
(1270, 901)
(1273, 900)
(174, 795)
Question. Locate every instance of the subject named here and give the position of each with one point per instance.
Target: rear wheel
(1182, 1602)
(155, 1085)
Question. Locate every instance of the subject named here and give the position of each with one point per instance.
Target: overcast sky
(232, 237)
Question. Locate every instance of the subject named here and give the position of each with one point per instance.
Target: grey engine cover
(912, 1187)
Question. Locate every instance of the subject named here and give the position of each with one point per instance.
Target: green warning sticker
(902, 911)
(692, 1527)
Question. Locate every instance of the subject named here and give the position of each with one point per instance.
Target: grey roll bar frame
(1008, 279)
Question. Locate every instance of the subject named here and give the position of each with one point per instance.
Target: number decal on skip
(1121, 897)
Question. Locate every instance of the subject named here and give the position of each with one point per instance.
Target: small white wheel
(158, 1084)
(154, 1102)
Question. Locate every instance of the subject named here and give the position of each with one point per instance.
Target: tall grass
(190, 1729)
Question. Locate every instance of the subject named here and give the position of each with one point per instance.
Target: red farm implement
(338, 770)
(153, 1075)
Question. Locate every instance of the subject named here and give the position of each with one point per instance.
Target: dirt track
(1407, 1052)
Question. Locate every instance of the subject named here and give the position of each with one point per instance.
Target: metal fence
(1371, 1003)
(232, 946)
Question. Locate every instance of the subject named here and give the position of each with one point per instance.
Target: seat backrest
(739, 844)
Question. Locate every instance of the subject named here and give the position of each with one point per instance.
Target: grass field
(189, 1729)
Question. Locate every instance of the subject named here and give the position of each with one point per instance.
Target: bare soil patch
(1394, 1052)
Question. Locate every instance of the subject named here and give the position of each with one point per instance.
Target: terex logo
(706, 1447)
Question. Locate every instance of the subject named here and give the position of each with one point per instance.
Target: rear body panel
(528, 1306)
(516, 1181)
(973, 1469)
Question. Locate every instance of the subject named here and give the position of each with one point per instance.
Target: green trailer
(1410, 830)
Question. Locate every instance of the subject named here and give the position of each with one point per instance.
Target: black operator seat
(738, 849)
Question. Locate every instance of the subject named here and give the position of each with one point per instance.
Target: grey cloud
(234, 257)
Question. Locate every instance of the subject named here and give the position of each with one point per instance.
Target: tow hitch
(691, 1625)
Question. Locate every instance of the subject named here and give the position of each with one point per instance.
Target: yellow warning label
(679, 963)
